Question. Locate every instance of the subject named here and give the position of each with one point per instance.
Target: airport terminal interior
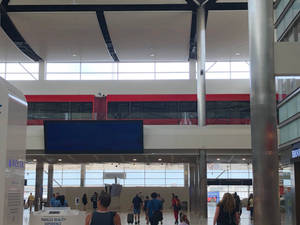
(150, 112)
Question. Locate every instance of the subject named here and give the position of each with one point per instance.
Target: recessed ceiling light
(159, 159)
(237, 53)
(152, 55)
(59, 160)
(74, 55)
(134, 160)
(244, 159)
(218, 159)
(34, 160)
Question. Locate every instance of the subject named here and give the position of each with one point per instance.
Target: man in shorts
(137, 205)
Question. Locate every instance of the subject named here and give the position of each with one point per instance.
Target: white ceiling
(58, 36)
(135, 35)
(227, 35)
(8, 51)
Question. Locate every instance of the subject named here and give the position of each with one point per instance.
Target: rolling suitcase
(130, 218)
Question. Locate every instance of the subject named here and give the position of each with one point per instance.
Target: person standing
(53, 201)
(238, 204)
(94, 200)
(226, 211)
(251, 205)
(84, 201)
(30, 201)
(146, 209)
(154, 209)
(176, 207)
(102, 216)
(137, 205)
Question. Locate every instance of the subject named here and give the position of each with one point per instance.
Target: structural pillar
(42, 70)
(193, 69)
(202, 198)
(82, 175)
(263, 113)
(39, 171)
(50, 183)
(192, 188)
(201, 55)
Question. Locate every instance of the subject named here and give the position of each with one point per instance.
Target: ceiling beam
(4, 3)
(192, 3)
(13, 33)
(106, 35)
(93, 8)
(193, 37)
(228, 6)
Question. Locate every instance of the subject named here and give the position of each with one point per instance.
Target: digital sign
(94, 137)
(295, 153)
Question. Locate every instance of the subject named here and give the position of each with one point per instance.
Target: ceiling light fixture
(244, 159)
(237, 53)
(134, 160)
(74, 55)
(218, 159)
(160, 160)
(34, 160)
(152, 55)
(59, 160)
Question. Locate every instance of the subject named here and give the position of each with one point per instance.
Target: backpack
(177, 206)
(157, 216)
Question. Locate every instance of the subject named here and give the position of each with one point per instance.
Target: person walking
(238, 204)
(176, 207)
(84, 201)
(137, 205)
(250, 205)
(226, 213)
(145, 208)
(102, 216)
(94, 200)
(154, 209)
(30, 202)
(162, 206)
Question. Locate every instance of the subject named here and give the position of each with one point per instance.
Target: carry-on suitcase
(130, 218)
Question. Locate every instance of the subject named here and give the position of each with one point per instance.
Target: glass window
(136, 67)
(63, 68)
(21, 76)
(176, 67)
(218, 75)
(220, 67)
(97, 67)
(97, 76)
(20, 71)
(136, 76)
(172, 76)
(63, 76)
(240, 75)
(240, 67)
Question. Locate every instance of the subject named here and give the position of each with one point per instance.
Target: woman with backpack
(226, 213)
(176, 207)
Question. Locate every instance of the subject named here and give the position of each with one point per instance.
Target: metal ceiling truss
(13, 33)
(4, 3)
(106, 35)
(193, 36)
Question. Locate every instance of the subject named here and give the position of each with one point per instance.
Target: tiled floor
(168, 218)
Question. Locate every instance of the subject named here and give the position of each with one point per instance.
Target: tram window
(136, 110)
(48, 110)
(188, 106)
(81, 110)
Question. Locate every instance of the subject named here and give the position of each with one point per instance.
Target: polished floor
(168, 218)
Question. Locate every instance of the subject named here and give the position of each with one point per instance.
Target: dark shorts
(137, 211)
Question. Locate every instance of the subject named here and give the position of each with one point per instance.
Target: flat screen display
(93, 137)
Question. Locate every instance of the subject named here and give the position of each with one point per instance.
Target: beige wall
(126, 195)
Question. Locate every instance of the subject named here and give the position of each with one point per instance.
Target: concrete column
(186, 175)
(50, 183)
(201, 54)
(193, 69)
(263, 113)
(42, 70)
(82, 175)
(202, 166)
(39, 171)
(192, 187)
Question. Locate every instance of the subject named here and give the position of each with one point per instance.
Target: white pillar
(42, 70)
